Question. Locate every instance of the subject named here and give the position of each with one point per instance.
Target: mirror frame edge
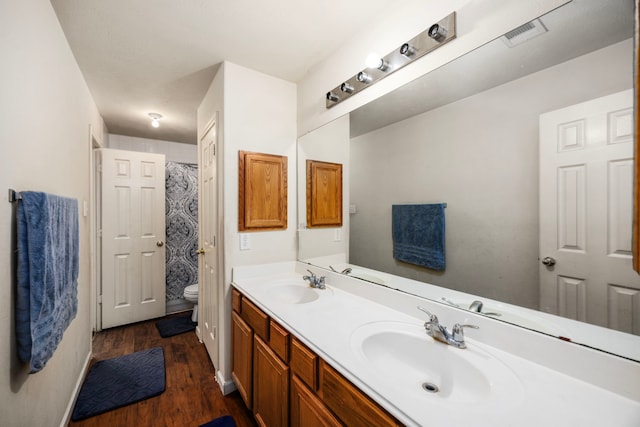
(636, 183)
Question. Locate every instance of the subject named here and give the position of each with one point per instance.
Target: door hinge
(214, 149)
(99, 299)
(214, 241)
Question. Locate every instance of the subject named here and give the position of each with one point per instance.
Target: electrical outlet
(352, 209)
(245, 242)
(337, 236)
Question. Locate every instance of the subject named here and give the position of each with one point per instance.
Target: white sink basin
(295, 292)
(421, 370)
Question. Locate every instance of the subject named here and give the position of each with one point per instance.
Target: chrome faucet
(441, 333)
(314, 281)
(345, 271)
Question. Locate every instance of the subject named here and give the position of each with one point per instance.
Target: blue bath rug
(117, 382)
(175, 326)
(226, 421)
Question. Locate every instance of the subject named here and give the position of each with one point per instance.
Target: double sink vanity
(353, 353)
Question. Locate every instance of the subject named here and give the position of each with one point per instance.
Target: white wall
(174, 151)
(478, 21)
(480, 155)
(46, 110)
(256, 113)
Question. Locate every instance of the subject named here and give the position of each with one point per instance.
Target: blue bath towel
(47, 288)
(418, 233)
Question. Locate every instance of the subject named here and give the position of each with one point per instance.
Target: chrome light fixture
(378, 67)
(155, 119)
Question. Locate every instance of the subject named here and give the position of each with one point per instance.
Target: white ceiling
(142, 56)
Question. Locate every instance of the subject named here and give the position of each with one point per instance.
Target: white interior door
(133, 235)
(586, 204)
(208, 265)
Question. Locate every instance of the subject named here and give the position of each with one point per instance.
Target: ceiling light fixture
(155, 119)
(378, 67)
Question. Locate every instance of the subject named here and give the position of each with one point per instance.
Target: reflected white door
(586, 204)
(133, 235)
(208, 224)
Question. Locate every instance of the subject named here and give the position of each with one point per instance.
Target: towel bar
(14, 196)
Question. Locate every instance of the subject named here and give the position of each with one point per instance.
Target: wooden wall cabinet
(324, 194)
(291, 385)
(262, 192)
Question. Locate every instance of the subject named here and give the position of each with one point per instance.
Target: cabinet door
(307, 410)
(242, 358)
(270, 387)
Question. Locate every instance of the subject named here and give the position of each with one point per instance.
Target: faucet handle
(432, 317)
(458, 331)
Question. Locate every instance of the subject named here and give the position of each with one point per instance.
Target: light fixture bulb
(155, 119)
(374, 61)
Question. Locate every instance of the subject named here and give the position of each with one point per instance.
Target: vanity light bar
(438, 34)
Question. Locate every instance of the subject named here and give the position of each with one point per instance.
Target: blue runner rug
(117, 382)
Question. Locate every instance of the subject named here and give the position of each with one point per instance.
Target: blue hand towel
(47, 288)
(419, 234)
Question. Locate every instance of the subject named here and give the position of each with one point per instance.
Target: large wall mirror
(529, 141)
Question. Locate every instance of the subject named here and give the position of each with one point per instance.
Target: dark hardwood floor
(191, 398)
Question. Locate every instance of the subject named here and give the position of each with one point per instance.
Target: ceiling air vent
(523, 33)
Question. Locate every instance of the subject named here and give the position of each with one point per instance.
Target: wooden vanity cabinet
(286, 384)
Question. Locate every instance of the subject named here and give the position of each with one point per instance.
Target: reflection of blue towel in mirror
(419, 234)
(47, 288)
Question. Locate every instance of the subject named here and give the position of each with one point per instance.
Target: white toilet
(191, 295)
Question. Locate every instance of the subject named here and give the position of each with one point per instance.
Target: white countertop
(543, 397)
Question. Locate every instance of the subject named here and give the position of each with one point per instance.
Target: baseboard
(72, 403)
(225, 386)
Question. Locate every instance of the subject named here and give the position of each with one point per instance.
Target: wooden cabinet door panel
(307, 410)
(242, 361)
(270, 387)
(262, 191)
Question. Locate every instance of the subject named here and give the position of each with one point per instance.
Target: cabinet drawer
(258, 320)
(304, 363)
(279, 341)
(236, 301)
(353, 407)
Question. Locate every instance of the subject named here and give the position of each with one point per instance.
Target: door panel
(133, 234)
(586, 191)
(208, 265)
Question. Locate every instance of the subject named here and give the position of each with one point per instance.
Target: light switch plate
(245, 242)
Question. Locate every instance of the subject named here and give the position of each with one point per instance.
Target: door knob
(548, 261)
(159, 243)
(200, 251)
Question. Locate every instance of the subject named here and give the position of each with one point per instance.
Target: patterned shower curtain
(182, 227)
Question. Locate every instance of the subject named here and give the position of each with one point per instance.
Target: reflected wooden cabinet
(324, 194)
